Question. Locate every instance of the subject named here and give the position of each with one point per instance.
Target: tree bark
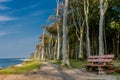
(81, 44)
(103, 8)
(86, 11)
(65, 59)
(55, 50)
(35, 54)
(50, 46)
(43, 46)
(118, 46)
(58, 32)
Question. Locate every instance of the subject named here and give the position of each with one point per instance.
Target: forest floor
(50, 71)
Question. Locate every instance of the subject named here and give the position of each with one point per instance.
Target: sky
(21, 25)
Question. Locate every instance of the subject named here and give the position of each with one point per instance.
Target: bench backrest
(101, 58)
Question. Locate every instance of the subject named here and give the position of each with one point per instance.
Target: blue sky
(20, 25)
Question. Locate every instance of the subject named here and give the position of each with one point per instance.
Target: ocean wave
(23, 59)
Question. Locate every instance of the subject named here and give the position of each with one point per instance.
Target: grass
(78, 63)
(116, 74)
(56, 62)
(27, 67)
(81, 64)
(116, 62)
(73, 63)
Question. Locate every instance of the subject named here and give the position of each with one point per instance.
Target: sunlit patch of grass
(27, 66)
(58, 62)
(78, 63)
(73, 63)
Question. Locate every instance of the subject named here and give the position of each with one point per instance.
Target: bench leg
(100, 70)
(88, 68)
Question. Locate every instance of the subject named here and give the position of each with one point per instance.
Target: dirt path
(51, 71)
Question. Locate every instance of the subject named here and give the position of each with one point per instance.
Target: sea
(6, 62)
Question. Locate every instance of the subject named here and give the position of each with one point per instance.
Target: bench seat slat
(95, 65)
(99, 60)
(102, 56)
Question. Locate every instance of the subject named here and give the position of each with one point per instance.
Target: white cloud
(5, 33)
(6, 18)
(31, 6)
(5, 1)
(3, 7)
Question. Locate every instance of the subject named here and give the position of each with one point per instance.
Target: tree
(58, 31)
(74, 36)
(43, 46)
(103, 8)
(86, 12)
(65, 59)
(76, 8)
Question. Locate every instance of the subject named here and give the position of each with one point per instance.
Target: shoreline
(21, 68)
(20, 64)
(17, 64)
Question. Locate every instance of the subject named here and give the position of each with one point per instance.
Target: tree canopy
(76, 30)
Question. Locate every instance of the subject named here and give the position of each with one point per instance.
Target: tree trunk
(101, 44)
(65, 59)
(113, 47)
(35, 54)
(118, 46)
(55, 50)
(81, 43)
(79, 33)
(105, 42)
(103, 8)
(50, 47)
(86, 11)
(39, 53)
(43, 46)
(58, 32)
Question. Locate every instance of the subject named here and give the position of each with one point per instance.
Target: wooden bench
(100, 62)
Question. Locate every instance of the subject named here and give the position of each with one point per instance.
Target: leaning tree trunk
(86, 11)
(103, 8)
(58, 32)
(65, 59)
(79, 32)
